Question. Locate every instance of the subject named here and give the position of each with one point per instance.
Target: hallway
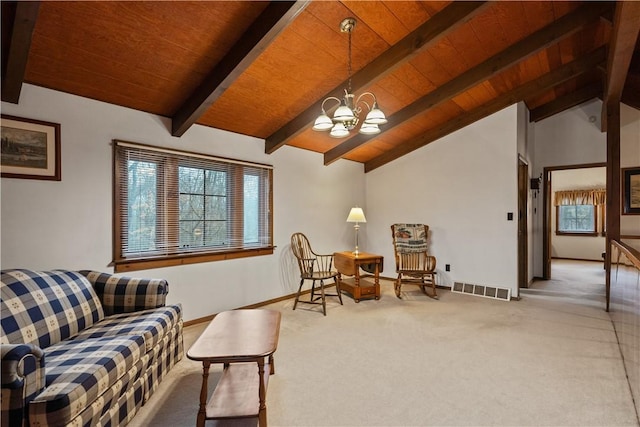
(582, 282)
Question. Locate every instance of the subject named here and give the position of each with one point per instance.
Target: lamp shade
(323, 122)
(356, 215)
(375, 116)
(369, 129)
(339, 131)
(343, 114)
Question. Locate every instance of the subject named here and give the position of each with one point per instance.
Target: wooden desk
(360, 285)
(240, 339)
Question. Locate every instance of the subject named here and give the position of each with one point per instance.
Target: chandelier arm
(360, 100)
(367, 93)
(330, 98)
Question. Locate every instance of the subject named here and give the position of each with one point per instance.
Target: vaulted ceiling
(263, 68)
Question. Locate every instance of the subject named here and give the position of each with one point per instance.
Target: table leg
(262, 393)
(376, 279)
(202, 412)
(272, 365)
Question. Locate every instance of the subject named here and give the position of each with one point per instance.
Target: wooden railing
(624, 309)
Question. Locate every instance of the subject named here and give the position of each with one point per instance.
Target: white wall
(68, 224)
(462, 186)
(572, 137)
(577, 247)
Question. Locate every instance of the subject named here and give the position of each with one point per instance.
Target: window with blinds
(174, 207)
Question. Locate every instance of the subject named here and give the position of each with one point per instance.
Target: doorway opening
(566, 253)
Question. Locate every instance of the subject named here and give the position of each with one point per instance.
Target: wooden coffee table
(241, 340)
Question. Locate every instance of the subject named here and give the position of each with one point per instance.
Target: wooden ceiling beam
(565, 102)
(16, 47)
(532, 88)
(441, 24)
(275, 18)
(626, 25)
(541, 39)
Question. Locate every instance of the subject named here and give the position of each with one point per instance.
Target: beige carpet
(550, 359)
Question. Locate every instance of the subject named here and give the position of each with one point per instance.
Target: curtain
(595, 197)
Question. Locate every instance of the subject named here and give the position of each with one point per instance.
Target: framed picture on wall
(30, 149)
(631, 191)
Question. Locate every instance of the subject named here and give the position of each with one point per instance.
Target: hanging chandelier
(347, 115)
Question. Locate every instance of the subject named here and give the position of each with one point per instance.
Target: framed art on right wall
(631, 191)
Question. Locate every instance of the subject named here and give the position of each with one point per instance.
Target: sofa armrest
(127, 294)
(23, 377)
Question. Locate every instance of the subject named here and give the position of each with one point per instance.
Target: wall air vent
(494, 292)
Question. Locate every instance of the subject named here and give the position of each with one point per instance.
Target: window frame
(577, 233)
(177, 255)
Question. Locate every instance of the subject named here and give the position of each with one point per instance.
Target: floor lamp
(356, 215)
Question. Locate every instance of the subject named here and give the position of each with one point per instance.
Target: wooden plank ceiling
(263, 69)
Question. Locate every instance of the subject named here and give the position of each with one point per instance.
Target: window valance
(594, 197)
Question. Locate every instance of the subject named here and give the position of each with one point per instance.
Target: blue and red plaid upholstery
(98, 370)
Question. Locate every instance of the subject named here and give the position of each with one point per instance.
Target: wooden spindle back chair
(316, 268)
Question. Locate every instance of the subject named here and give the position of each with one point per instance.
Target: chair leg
(433, 285)
(295, 303)
(337, 281)
(397, 285)
(324, 304)
(429, 278)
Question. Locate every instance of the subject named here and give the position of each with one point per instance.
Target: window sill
(125, 265)
(585, 234)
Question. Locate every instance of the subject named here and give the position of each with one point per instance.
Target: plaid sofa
(83, 348)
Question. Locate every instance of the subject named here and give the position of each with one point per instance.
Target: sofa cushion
(127, 294)
(44, 308)
(152, 324)
(80, 371)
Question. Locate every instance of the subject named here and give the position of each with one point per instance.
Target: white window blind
(172, 203)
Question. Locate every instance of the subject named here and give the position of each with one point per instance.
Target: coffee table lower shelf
(236, 394)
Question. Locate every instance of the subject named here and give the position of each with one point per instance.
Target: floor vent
(482, 291)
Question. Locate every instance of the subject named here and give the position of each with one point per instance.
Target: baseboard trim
(273, 301)
(578, 259)
(251, 306)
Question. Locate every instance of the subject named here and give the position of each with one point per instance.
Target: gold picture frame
(30, 149)
(631, 191)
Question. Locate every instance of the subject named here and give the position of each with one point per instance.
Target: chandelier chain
(349, 83)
